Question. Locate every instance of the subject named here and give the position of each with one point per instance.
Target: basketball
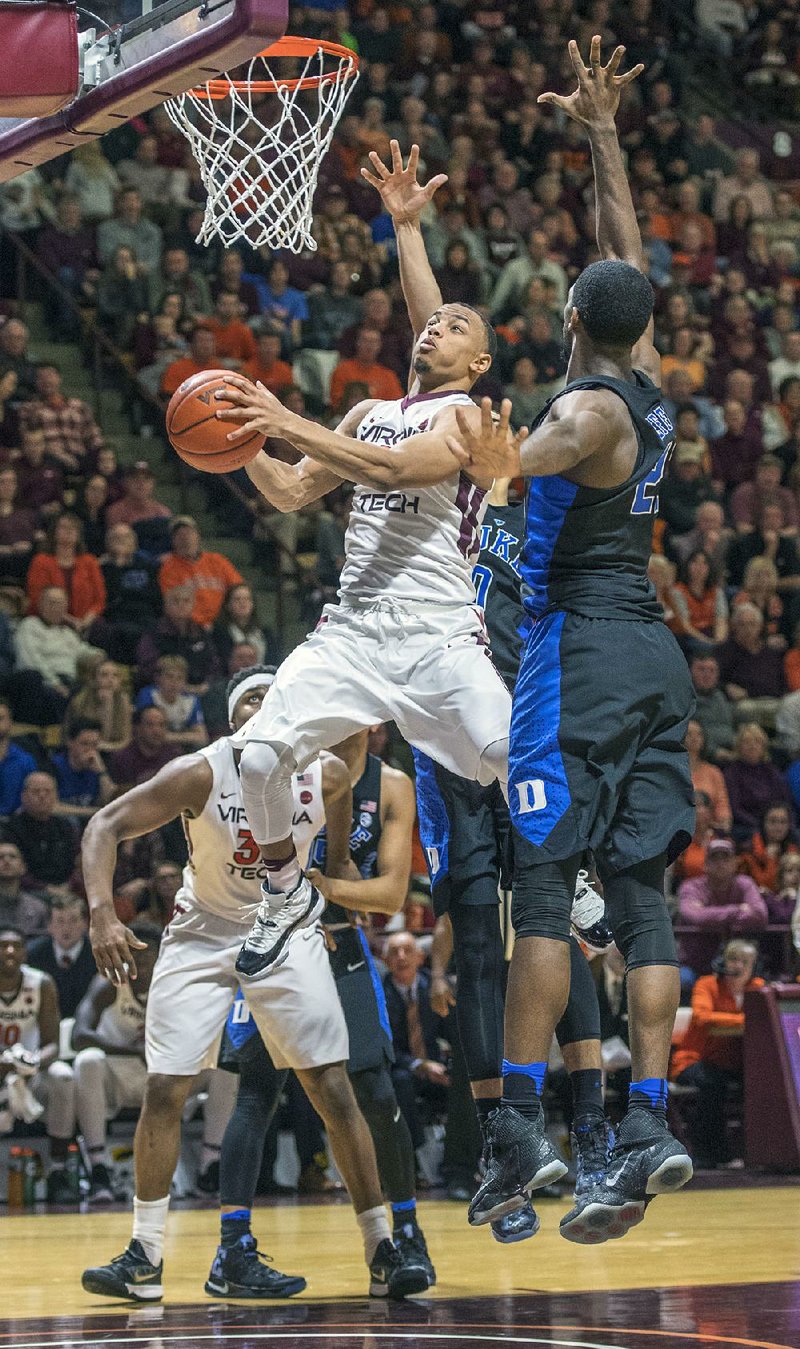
(197, 435)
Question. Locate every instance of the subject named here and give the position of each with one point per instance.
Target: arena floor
(710, 1267)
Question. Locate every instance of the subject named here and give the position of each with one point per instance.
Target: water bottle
(29, 1169)
(73, 1171)
(15, 1179)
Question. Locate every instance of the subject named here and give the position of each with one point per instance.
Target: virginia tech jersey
(224, 871)
(19, 1014)
(414, 543)
(122, 1024)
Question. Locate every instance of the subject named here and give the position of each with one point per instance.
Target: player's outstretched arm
(386, 891)
(404, 198)
(580, 425)
(181, 786)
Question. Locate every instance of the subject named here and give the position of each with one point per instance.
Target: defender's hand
(596, 99)
(401, 194)
(113, 946)
(253, 406)
(494, 449)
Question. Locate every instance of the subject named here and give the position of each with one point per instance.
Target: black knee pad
(581, 1019)
(374, 1091)
(542, 895)
(638, 914)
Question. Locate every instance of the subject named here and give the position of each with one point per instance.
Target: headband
(254, 681)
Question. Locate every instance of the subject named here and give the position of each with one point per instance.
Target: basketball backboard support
(166, 50)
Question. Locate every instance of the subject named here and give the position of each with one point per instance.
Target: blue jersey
(586, 549)
(496, 579)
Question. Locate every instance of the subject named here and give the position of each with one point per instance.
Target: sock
(374, 1226)
(404, 1214)
(587, 1097)
(484, 1105)
(149, 1225)
(283, 874)
(649, 1094)
(234, 1226)
(522, 1087)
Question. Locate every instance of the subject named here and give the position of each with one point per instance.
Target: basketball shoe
(521, 1159)
(645, 1161)
(130, 1275)
(242, 1271)
(266, 945)
(588, 917)
(591, 1148)
(520, 1225)
(393, 1275)
(410, 1242)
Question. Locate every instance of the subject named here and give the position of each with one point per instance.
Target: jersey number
(645, 501)
(249, 852)
(481, 579)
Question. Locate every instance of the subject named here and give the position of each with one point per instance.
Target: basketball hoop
(259, 158)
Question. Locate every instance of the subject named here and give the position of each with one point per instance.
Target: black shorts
(597, 758)
(360, 990)
(466, 833)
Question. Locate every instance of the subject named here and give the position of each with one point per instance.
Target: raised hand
(494, 449)
(401, 194)
(596, 99)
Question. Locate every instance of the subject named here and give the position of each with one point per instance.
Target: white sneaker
(267, 943)
(588, 917)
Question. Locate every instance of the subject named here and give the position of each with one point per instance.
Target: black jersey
(364, 836)
(496, 577)
(586, 549)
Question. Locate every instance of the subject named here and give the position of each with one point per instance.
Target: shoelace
(593, 1151)
(263, 933)
(587, 906)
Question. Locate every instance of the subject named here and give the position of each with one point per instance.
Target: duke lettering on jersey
(496, 577)
(417, 545)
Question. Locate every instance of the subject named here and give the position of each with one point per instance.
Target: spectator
(176, 276)
(47, 841)
(708, 779)
(129, 227)
(712, 710)
(32, 1027)
(40, 477)
(419, 1073)
(745, 181)
(103, 700)
(377, 313)
(332, 310)
(692, 862)
(787, 365)
(238, 622)
(266, 366)
(709, 534)
(365, 368)
(791, 663)
(282, 303)
(735, 453)
(154, 182)
(82, 780)
(71, 435)
(122, 297)
(182, 710)
(202, 356)
(685, 489)
(148, 751)
(48, 649)
(156, 897)
(160, 339)
(662, 574)
(720, 903)
(709, 1058)
(751, 672)
(66, 953)
(133, 595)
(229, 277)
(769, 844)
(767, 542)
(67, 248)
(782, 903)
(749, 498)
(210, 575)
(66, 565)
(14, 356)
(214, 700)
(460, 277)
(176, 634)
(92, 180)
(527, 396)
(760, 587)
(19, 527)
(234, 340)
(139, 507)
(701, 609)
(19, 908)
(15, 765)
(513, 282)
(92, 513)
(753, 782)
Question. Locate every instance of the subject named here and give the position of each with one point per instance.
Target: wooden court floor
(709, 1267)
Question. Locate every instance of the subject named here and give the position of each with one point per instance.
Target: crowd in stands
(121, 626)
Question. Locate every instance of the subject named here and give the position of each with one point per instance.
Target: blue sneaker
(242, 1271)
(520, 1225)
(591, 1148)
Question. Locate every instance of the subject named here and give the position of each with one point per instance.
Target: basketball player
(296, 1009)
(30, 1076)
(406, 641)
(601, 704)
(380, 847)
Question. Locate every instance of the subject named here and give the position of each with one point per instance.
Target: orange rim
(290, 47)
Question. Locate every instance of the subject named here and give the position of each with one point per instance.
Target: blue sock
(234, 1226)
(649, 1094)
(523, 1084)
(404, 1213)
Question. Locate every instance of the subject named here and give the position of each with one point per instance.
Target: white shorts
(296, 1007)
(426, 667)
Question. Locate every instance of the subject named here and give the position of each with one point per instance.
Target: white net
(259, 142)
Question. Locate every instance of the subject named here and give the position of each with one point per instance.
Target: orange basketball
(195, 432)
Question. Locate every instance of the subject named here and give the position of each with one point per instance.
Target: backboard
(134, 65)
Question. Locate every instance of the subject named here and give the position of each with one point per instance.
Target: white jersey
(122, 1024)
(19, 1015)
(225, 871)
(416, 543)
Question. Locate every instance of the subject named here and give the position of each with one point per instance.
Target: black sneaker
(242, 1271)
(591, 1149)
(101, 1191)
(521, 1159)
(520, 1225)
(266, 945)
(208, 1180)
(645, 1161)
(392, 1276)
(130, 1275)
(410, 1242)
